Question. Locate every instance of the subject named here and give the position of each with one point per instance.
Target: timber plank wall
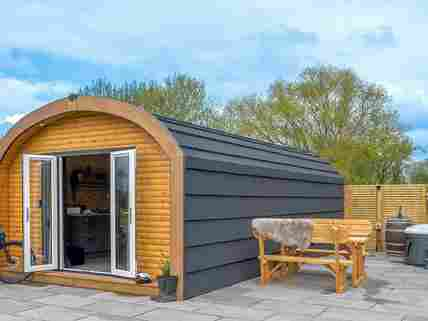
(92, 131)
(377, 203)
(4, 221)
(229, 181)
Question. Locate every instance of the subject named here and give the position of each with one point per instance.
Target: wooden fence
(377, 203)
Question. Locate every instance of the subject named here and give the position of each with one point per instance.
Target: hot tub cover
(419, 229)
(293, 233)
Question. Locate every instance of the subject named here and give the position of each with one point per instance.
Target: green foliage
(327, 111)
(333, 113)
(179, 96)
(418, 172)
(166, 267)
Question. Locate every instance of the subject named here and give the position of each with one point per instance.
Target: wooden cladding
(96, 131)
(377, 203)
(4, 220)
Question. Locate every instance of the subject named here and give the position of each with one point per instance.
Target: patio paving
(394, 292)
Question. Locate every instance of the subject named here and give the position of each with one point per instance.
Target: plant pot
(167, 285)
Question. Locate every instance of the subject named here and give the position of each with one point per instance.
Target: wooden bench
(349, 240)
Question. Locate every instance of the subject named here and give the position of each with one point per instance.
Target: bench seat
(348, 238)
(306, 260)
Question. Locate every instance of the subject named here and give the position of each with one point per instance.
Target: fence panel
(362, 204)
(377, 203)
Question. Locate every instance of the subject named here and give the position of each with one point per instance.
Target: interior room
(86, 199)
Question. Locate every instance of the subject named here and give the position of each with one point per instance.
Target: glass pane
(40, 212)
(121, 172)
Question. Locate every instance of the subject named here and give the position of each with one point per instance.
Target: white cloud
(13, 119)
(18, 97)
(213, 40)
(118, 33)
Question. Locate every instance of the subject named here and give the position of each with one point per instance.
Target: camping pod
(100, 190)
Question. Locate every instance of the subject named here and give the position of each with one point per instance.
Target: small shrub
(166, 267)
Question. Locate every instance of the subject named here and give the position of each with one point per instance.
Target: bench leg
(363, 267)
(264, 272)
(358, 265)
(340, 278)
(355, 266)
(293, 268)
(264, 265)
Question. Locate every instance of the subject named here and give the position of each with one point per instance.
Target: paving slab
(23, 292)
(415, 318)
(280, 293)
(67, 301)
(226, 311)
(339, 301)
(110, 296)
(335, 313)
(52, 313)
(107, 317)
(7, 317)
(282, 307)
(228, 299)
(189, 305)
(10, 306)
(406, 309)
(121, 309)
(72, 291)
(393, 292)
(175, 315)
(291, 317)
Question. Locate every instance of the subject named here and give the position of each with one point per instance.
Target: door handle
(27, 214)
(130, 215)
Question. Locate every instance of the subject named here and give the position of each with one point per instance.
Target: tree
(417, 172)
(333, 113)
(180, 96)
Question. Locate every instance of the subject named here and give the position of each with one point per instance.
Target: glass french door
(123, 213)
(40, 213)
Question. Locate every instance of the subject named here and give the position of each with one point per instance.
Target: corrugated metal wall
(377, 203)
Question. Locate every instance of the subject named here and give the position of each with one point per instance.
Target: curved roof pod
(36, 120)
(222, 180)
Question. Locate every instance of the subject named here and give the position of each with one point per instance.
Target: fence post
(348, 201)
(425, 204)
(380, 232)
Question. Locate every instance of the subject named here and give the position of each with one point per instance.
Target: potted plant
(167, 283)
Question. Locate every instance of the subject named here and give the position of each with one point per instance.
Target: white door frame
(27, 158)
(131, 154)
(61, 252)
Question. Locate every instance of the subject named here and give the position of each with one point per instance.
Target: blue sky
(50, 48)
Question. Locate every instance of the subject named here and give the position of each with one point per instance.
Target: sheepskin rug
(292, 233)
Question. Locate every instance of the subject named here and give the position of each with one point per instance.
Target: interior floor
(95, 264)
(86, 217)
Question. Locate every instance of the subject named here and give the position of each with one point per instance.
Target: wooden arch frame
(49, 113)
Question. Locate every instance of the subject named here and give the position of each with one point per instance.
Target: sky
(51, 48)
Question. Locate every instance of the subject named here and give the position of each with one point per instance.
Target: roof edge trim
(130, 112)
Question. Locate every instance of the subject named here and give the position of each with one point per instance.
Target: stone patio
(393, 292)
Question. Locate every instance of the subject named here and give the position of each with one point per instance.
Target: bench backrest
(322, 229)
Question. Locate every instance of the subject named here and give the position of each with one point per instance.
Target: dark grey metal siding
(229, 180)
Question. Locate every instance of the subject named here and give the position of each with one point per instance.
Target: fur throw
(292, 233)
